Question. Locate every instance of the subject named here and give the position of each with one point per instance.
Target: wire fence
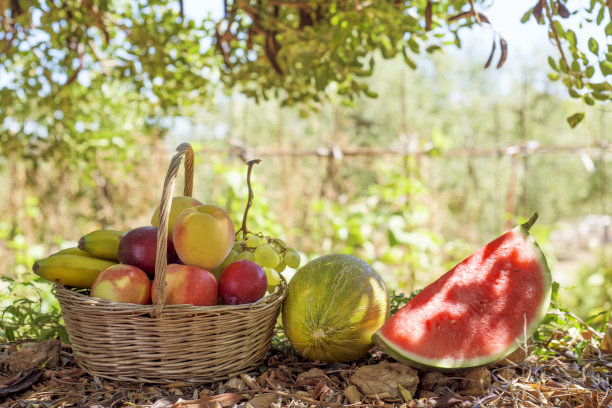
(337, 152)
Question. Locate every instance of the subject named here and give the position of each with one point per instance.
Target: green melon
(478, 312)
(334, 305)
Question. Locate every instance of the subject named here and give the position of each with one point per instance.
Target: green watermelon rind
(450, 364)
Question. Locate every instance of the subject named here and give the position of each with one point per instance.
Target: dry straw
(162, 343)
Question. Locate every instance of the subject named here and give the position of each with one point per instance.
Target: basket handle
(161, 262)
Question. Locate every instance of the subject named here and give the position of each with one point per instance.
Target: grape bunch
(272, 254)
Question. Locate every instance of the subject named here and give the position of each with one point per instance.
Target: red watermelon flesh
(476, 313)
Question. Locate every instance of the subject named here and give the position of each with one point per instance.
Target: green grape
(281, 266)
(246, 255)
(280, 244)
(253, 241)
(292, 258)
(237, 246)
(272, 276)
(230, 258)
(266, 257)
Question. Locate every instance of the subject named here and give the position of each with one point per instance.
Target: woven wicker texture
(164, 343)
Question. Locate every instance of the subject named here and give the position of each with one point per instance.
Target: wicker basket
(164, 343)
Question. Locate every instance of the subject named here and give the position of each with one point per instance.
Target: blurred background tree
(296, 51)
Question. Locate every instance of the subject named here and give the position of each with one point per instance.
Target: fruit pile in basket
(208, 263)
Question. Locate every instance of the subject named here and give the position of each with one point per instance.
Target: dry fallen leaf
(475, 382)
(235, 384)
(384, 379)
(262, 401)
(249, 381)
(451, 400)
(46, 353)
(21, 382)
(321, 391)
(404, 393)
(433, 380)
(352, 394)
(175, 384)
(224, 400)
(312, 373)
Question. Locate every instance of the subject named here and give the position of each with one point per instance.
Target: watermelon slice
(478, 312)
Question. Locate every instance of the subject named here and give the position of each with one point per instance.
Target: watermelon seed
(453, 321)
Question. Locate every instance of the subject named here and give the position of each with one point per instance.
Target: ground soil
(284, 379)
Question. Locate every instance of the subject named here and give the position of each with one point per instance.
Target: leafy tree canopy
(63, 61)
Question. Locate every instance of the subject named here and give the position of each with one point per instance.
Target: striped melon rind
(334, 305)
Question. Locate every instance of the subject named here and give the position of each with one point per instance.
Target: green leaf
(526, 16)
(600, 15)
(606, 67)
(593, 46)
(575, 119)
(600, 96)
(552, 63)
(590, 71)
(555, 291)
(44, 334)
(10, 334)
(559, 28)
(407, 59)
(571, 38)
(414, 46)
(575, 66)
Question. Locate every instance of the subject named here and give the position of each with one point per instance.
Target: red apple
(138, 247)
(188, 284)
(241, 282)
(123, 283)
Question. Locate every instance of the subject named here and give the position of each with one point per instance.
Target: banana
(102, 243)
(73, 251)
(71, 270)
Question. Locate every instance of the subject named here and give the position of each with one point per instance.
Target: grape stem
(244, 229)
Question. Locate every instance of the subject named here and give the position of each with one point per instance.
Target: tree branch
(556, 35)
(250, 199)
(75, 74)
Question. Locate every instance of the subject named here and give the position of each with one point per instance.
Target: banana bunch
(102, 243)
(79, 266)
(71, 270)
(74, 251)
